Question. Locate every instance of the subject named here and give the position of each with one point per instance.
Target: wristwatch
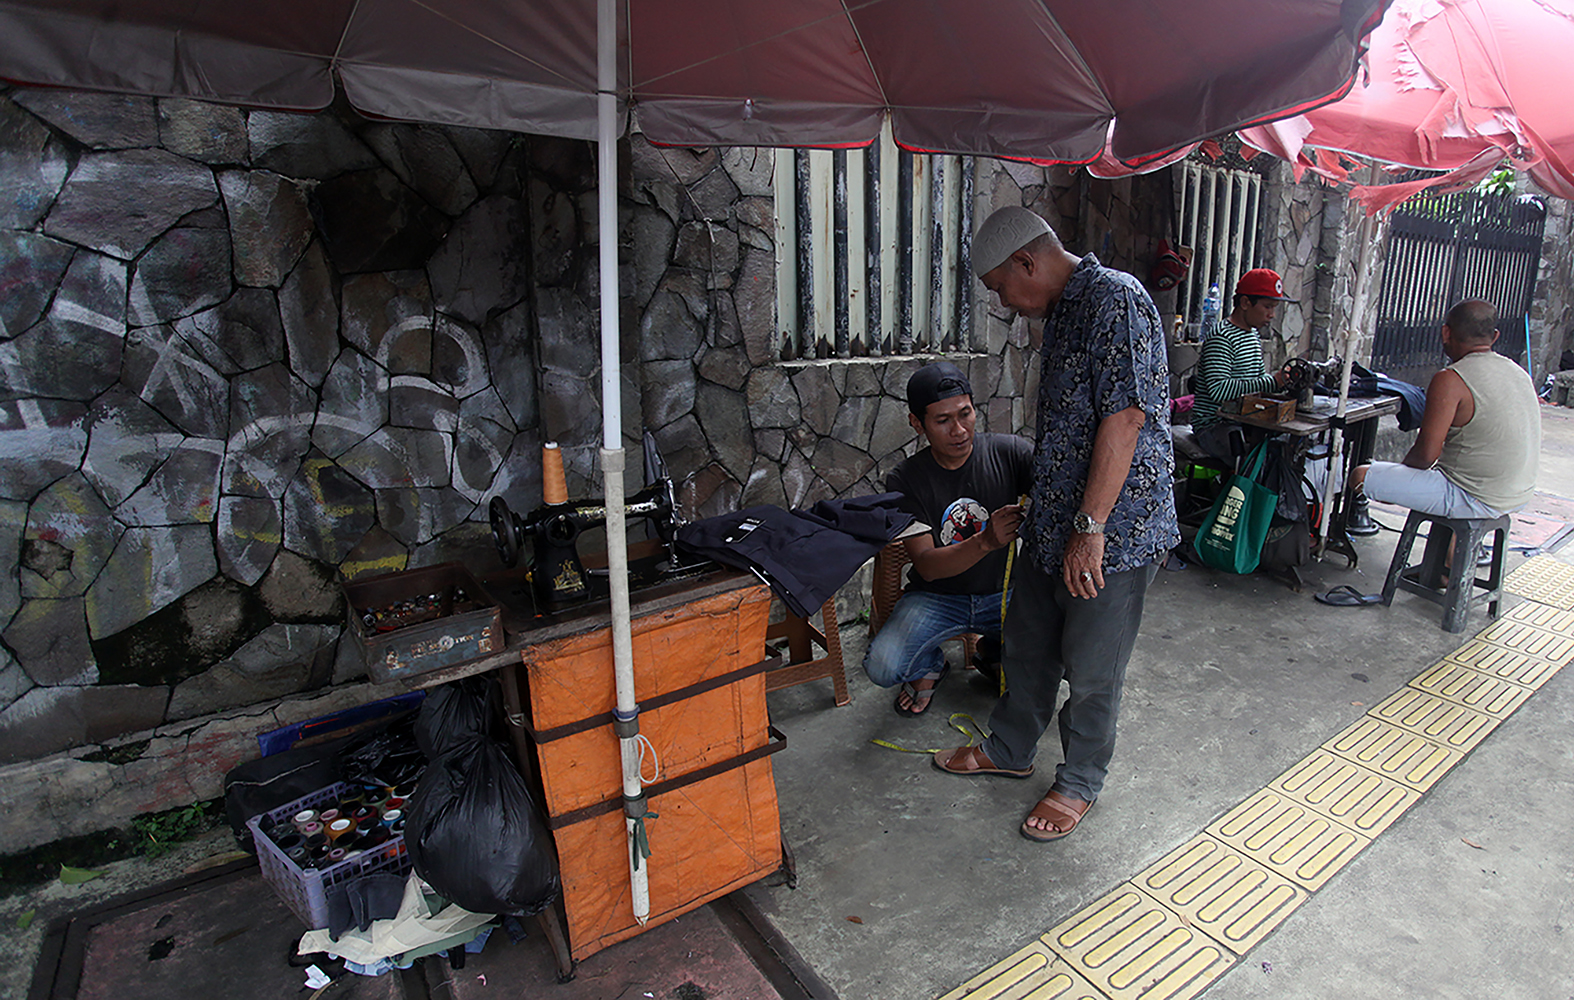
(1082, 524)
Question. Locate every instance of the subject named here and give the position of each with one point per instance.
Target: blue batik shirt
(1103, 352)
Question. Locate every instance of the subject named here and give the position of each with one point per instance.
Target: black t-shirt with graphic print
(956, 503)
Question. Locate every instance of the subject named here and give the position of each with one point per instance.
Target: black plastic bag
(475, 835)
(388, 757)
(457, 715)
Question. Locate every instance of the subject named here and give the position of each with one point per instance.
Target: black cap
(932, 383)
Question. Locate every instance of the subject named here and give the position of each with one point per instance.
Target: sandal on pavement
(1346, 596)
(920, 696)
(1064, 811)
(968, 761)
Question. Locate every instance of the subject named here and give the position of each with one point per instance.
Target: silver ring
(1086, 575)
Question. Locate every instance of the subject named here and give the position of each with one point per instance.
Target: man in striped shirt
(1231, 363)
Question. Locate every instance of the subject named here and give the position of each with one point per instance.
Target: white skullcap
(1003, 234)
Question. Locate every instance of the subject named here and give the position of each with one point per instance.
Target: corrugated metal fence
(872, 252)
(1446, 248)
(1221, 220)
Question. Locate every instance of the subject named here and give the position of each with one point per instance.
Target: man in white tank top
(1479, 448)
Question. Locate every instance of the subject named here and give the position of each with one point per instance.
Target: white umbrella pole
(1336, 445)
(627, 724)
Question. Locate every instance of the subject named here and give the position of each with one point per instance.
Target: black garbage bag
(475, 835)
(388, 757)
(457, 715)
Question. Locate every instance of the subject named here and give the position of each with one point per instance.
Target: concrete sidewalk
(1233, 682)
(912, 883)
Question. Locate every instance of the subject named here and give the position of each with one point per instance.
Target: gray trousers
(1052, 636)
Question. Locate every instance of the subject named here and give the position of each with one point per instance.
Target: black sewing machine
(558, 573)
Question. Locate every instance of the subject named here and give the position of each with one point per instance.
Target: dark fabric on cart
(804, 556)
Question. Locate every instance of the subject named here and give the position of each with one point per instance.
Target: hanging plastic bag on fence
(456, 715)
(475, 835)
(1232, 534)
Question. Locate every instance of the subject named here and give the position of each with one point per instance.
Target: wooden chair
(803, 666)
(890, 564)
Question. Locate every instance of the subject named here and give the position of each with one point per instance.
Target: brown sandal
(968, 761)
(1060, 809)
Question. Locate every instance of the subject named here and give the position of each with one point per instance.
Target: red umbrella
(1455, 85)
(1038, 79)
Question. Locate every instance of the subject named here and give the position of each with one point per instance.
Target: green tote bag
(1231, 536)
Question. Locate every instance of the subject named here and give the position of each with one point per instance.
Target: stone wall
(1552, 310)
(248, 354)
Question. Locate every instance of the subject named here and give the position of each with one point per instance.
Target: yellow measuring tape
(973, 738)
(1005, 597)
(1005, 591)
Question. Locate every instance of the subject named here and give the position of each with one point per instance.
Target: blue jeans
(908, 644)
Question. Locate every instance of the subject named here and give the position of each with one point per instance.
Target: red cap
(1263, 283)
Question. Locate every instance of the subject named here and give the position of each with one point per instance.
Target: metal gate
(1445, 248)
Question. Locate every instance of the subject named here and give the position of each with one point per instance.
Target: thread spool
(554, 487)
(392, 816)
(339, 828)
(308, 830)
(304, 816)
(327, 816)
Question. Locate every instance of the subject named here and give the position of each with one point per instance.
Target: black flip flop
(921, 699)
(1346, 596)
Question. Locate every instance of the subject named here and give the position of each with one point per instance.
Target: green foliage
(33, 867)
(25, 921)
(1498, 182)
(158, 832)
(76, 876)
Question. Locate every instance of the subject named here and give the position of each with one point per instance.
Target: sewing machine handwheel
(504, 531)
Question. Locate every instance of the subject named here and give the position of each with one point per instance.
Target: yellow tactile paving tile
(1529, 640)
(1504, 664)
(1552, 619)
(1183, 922)
(1034, 973)
(1361, 799)
(1289, 838)
(1472, 688)
(1222, 892)
(1437, 719)
(1394, 752)
(1544, 579)
(1129, 946)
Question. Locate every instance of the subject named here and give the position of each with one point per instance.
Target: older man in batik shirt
(1102, 516)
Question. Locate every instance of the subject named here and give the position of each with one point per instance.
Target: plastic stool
(1425, 577)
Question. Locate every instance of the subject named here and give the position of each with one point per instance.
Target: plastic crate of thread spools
(285, 850)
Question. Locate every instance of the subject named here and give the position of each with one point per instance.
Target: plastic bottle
(1210, 310)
